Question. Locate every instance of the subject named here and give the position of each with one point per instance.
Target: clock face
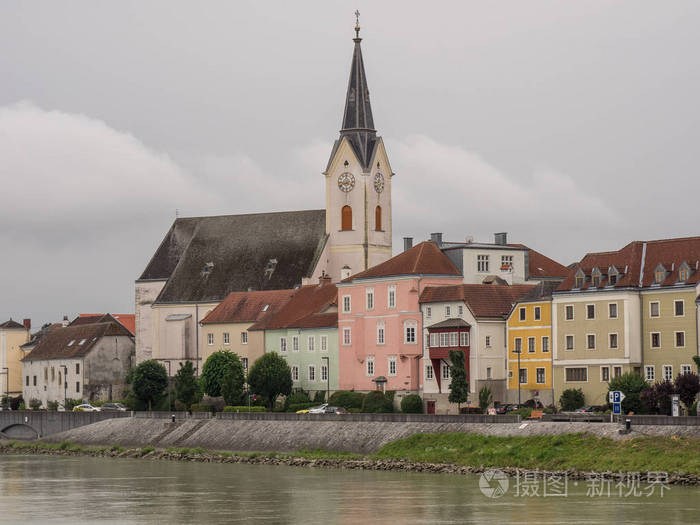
(379, 182)
(346, 182)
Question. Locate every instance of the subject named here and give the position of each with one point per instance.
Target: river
(77, 490)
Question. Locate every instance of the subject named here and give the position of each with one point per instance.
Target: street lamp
(518, 351)
(65, 383)
(169, 376)
(7, 383)
(328, 378)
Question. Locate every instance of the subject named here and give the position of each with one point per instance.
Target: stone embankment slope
(289, 436)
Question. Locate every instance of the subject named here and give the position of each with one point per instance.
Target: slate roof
(308, 308)
(38, 335)
(240, 307)
(451, 323)
(9, 325)
(56, 344)
(206, 258)
(541, 292)
(484, 300)
(423, 259)
(541, 266)
(126, 320)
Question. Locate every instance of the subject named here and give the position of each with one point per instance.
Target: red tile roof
(672, 253)
(542, 266)
(484, 300)
(65, 343)
(424, 258)
(308, 308)
(240, 307)
(128, 321)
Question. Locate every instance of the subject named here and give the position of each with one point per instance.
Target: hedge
(412, 404)
(202, 408)
(301, 406)
(244, 409)
(347, 399)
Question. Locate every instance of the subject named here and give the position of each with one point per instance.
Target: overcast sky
(573, 126)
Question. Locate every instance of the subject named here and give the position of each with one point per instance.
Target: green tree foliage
(347, 399)
(485, 399)
(376, 402)
(571, 399)
(320, 397)
(222, 375)
(696, 360)
(296, 398)
(412, 404)
(687, 387)
(149, 380)
(270, 376)
(459, 387)
(632, 385)
(34, 403)
(186, 387)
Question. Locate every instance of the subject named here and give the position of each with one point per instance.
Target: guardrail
(391, 418)
(660, 420)
(580, 418)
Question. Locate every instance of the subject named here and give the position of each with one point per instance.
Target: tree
(657, 398)
(687, 387)
(696, 360)
(485, 399)
(222, 375)
(149, 380)
(459, 387)
(632, 385)
(377, 402)
(270, 376)
(412, 404)
(186, 387)
(571, 399)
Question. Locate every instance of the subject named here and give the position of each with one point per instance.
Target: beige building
(12, 336)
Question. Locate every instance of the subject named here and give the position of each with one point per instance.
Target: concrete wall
(145, 293)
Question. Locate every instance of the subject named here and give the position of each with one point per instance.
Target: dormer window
(265, 308)
(595, 278)
(71, 342)
(580, 279)
(208, 267)
(683, 273)
(659, 274)
(270, 268)
(82, 342)
(612, 276)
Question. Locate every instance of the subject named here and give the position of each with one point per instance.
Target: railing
(378, 418)
(660, 420)
(575, 417)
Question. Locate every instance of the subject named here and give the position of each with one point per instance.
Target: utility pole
(518, 351)
(65, 384)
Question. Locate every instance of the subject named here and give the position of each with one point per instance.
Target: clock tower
(358, 185)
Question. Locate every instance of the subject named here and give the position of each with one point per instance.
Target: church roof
(206, 258)
(74, 341)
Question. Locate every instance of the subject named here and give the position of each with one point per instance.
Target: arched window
(346, 218)
(378, 218)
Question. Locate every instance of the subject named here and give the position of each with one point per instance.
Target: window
(590, 311)
(538, 313)
(410, 334)
(655, 340)
(518, 345)
(295, 343)
(380, 333)
(523, 376)
(34, 380)
(506, 260)
(370, 365)
(311, 343)
(347, 336)
(654, 310)
(482, 263)
(569, 342)
(605, 374)
(283, 344)
(617, 371)
(324, 343)
(346, 218)
(590, 341)
(378, 218)
(488, 341)
(295, 373)
(612, 310)
(312, 373)
(577, 375)
(77, 386)
(464, 339)
(46, 373)
(428, 312)
(70, 343)
(210, 339)
(448, 312)
(579, 279)
(595, 278)
(540, 376)
(244, 362)
(685, 369)
(346, 304)
(521, 313)
(545, 344)
(612, 276)
(391, 300)
(27, 381)
(369, 292)
(392, 365)
(445, 371)
(324, 372)
(444, 339)
(82, 342)
(434, 340)
(680, 339)
(684, 273)
(454, 338)
(659, 274)
(460, 310)
(244, 338)
(77, 368)
(612, 341)
(227, 339)
(488, 372)
(569, 312)
(531, 345)
(668, 373)
(679, 307)
(649, 373)
(428, 371)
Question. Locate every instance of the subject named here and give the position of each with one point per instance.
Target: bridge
(34, 424)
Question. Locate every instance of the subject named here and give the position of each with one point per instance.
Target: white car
(319, 409)
(86, 407)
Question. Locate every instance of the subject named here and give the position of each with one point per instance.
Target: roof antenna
(357, 23)
(177, 213)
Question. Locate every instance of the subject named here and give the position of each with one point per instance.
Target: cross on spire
(357, 23)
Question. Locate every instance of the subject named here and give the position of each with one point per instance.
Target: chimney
(65, 321)
(407, 243)
(436, 238)
(501, 238)
(324, 279)
(345, 272)
(27, 324)
(469, 239)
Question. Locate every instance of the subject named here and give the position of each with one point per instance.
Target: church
(202, 259)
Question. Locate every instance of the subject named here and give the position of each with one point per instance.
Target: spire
(358, 124)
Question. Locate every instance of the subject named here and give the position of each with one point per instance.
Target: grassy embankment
(556, 452)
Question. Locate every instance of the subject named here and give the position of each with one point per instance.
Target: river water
(77, 490)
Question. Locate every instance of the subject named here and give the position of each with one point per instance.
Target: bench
(536, 414)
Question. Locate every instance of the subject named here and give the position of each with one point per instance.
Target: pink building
(380, 322)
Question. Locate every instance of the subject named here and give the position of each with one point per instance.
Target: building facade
(12, 336)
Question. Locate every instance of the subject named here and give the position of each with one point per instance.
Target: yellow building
(529, 330)
(12, 336)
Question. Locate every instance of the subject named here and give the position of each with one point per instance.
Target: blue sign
(617, 396)
(617, 408)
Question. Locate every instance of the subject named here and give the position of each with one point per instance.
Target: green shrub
(377, 402)
(146, 450)
(485, 399)
(201, 408)
(22, 407)
(52, 405)
(347, 399)
(632, 385)
(34, 403)
(412, 404)
(694, 409)
(301, 406)
(295, 398)
(320, 397)
(70, 404)
(571, 399)
(524, 412)
(244, 409)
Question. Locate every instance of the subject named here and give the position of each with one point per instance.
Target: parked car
(335, 410)
(585, 410)
(504, 409)
(321, 409)
(85, 407)
(113, 407)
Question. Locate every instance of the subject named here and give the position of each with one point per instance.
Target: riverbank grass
(550, 452)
